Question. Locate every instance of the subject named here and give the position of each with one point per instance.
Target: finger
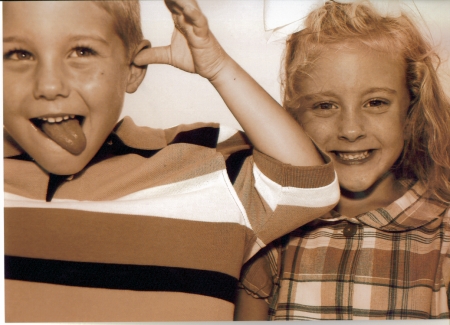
(153, 55)
(189, 10)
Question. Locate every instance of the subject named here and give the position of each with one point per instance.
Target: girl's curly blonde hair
(426, 152)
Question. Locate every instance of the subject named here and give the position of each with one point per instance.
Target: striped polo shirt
(155, 228)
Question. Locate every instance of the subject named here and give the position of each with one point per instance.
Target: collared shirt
(155, 228)
(391, 263)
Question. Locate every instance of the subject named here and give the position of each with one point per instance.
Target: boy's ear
(137, 73)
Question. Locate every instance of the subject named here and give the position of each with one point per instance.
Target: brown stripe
(140, 137)
(24, 178)
(118, 176)
(294, 176)
(286, 219)
(235, 143)
(127, 174)
(109, 238)
(40, 302)
(174, 131)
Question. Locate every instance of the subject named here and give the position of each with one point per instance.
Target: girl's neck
(382, 193)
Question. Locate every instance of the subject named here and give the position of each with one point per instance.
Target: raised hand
(193, 47)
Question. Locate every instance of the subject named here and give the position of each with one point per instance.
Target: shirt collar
(126, 138)
(413, 210)
(128, 134)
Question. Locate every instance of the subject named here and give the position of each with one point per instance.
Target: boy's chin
(67, 165)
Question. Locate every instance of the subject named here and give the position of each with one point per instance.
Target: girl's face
(353, 103)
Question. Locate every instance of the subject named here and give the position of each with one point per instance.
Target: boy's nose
(50, 81)
(351, 126)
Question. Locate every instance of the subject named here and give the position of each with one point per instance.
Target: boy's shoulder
(210, 135)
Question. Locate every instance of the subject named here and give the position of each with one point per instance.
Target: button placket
(350, 230)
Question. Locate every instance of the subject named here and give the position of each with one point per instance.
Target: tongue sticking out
(67, 133)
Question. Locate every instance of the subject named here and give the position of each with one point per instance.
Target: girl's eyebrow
(380, 89)
(316, 95)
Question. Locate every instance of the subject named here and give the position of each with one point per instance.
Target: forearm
(269, 127)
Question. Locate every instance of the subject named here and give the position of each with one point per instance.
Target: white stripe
(274, 194)
(208, 198)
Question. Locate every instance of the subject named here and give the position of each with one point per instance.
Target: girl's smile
(353, 103)
(353, 157)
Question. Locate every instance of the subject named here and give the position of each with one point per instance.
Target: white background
(168, 96)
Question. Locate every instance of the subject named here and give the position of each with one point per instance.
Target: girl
(365, 89)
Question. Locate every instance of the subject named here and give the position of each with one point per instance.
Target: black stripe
(234, 163)
(205, 136)
(23, 156)
(121, 276)
(54, 182)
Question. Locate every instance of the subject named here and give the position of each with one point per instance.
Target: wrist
(227, 70)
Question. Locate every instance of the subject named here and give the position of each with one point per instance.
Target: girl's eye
(324, 106)
(376, 103)
(82, 52)
(18, 55)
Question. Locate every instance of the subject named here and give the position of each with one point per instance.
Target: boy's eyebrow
(73, 38)
(14, 39)
(93, 37)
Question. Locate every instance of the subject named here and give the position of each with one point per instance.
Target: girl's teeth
(51, 120)
(353, 156)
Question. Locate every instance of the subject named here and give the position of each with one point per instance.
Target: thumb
(152, 55)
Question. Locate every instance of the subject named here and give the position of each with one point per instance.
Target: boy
(139, 224)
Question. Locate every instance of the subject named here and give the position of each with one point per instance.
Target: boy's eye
(81, 52)
(18, 55)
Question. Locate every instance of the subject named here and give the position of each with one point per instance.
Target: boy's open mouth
(65, 130)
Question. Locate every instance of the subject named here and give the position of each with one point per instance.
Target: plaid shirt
(391, 263)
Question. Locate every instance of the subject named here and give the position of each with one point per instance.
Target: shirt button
(350, 230)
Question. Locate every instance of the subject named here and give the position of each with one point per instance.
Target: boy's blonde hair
(426, 153)
(127, 21)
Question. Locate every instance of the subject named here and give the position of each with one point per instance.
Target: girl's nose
(351, 126)
(50, 81)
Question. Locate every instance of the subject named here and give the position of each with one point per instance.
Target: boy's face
(62, 61)
(353, 104)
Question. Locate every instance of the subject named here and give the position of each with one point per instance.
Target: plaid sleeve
(259, 276)
(446, 261)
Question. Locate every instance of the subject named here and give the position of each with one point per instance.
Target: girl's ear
(137, 73)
